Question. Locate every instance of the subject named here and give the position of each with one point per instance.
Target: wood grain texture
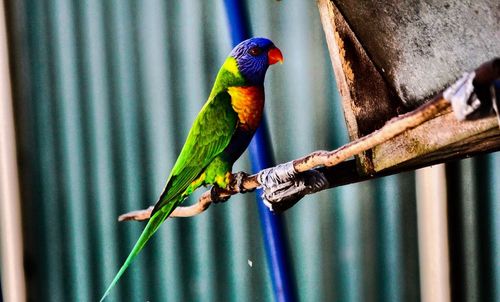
(367, 100)
(422, 46)
(439, 138)
(369, 75)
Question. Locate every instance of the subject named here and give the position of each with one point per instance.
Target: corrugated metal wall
(474, 217)
(105, 94)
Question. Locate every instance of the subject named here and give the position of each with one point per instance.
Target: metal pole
(433, 234)
(261, 158)
(11, 239)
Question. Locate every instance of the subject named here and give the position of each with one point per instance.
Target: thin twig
(392, 128)
(203, 203)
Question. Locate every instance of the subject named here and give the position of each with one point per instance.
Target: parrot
(219, 135)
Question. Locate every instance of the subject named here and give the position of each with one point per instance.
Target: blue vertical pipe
(261, 158)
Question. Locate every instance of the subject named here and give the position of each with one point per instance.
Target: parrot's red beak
(274, 56)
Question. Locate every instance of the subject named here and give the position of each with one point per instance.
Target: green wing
(209, 136)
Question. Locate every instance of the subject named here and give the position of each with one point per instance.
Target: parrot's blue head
(254, 56)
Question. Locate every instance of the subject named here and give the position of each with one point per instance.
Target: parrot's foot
(215, 194)
(236, 182)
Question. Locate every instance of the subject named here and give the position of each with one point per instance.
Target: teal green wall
(474, 211)
(105, 94)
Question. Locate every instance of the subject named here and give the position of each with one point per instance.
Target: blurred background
(104, 94)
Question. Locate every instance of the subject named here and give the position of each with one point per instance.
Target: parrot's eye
(255, 51)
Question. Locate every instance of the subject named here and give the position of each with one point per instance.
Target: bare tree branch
(323, 162)
(391, 129)
(316, 159)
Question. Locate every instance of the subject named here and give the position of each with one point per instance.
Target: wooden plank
(423, 46)
(439, 138)
(367, 100)
(373, 91)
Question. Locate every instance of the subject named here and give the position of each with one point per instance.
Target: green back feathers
(209, 136)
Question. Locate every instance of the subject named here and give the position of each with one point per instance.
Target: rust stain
(346, 65)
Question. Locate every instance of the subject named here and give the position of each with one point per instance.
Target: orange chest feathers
(248, 103)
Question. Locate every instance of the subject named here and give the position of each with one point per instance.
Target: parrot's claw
(236, 183)
(215, 195)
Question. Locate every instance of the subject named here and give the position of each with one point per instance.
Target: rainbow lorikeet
(219, 135)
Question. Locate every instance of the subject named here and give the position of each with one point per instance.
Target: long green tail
(153, 224)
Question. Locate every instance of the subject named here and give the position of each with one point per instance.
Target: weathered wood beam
(370, 77)
(367, 100)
